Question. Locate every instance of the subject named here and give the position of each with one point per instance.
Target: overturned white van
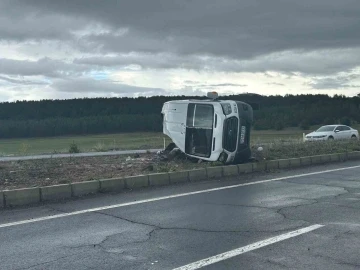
(212, 129)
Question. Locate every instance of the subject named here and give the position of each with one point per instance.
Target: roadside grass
(269, 136)
(87, 143)
(45, 172)
(280, 150)
(121, 141)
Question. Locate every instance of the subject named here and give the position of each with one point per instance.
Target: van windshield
(199, 129)
(200, 116)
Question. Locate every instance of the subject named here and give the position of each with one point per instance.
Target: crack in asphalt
(328, 185)
(147, 234)
(356, 265)
(304, 222)
(276, 263)
(337, 261)
(315, 184)
(157, 227)
(58, 210)
(346, 206)
(240, 205)
(277, 210)
(337, 236)
(321, 199)
(346, 190)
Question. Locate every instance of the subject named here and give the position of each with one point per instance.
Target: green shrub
(73, 149)
(100, 147)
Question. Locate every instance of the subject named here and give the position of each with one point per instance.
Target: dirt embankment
(45, 172)
(31, 173)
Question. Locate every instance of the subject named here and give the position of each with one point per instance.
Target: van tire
(243, 157)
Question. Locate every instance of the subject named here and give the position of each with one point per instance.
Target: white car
(333, 132)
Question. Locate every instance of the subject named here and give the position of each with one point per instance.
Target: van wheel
(243, 157)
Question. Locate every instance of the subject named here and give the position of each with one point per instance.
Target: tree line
(46, 118)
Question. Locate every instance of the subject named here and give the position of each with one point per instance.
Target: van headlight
(226, 108)
(223, 157)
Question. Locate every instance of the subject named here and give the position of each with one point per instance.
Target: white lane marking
(238, 251)
(168, 197)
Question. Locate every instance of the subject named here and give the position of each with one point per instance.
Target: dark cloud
(230, 28)
(199, 84)
(310, 37)
(219, 85)
(44, 66)
(239, 30)
(20, 22)
(227, 84)
(320, 62)
(339, 82)
(191, 82)
(22, 81)
(160, 61)
(88, 85)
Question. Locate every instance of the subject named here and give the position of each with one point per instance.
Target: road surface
(89, 154)
(299, 219)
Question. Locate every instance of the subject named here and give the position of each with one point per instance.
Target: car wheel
(353, 137)
(331, 138)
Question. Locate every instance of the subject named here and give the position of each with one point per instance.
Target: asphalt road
(226, 224)
(89, 154)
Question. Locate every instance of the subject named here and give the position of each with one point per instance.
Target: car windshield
(326, 129)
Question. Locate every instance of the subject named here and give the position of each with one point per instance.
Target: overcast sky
(89, 48)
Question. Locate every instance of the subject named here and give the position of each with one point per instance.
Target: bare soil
(45, 172)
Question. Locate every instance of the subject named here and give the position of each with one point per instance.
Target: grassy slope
(122, 141)
(18, 174)
(86, 143)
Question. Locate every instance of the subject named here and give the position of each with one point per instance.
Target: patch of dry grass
(30, 173)
(294, 149)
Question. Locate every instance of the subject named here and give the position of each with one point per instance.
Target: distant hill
(108, 115)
